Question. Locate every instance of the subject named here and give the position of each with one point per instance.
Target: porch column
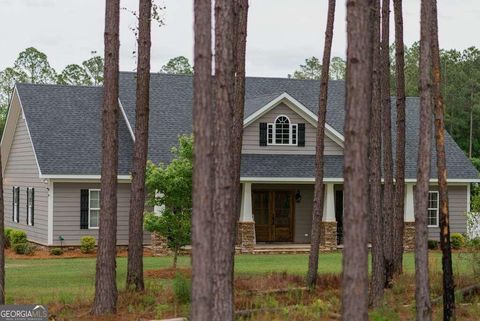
(328, 227)
(409, 218)
(246, 224)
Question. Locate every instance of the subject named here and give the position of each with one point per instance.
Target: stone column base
(246, 236)
(409, 236)
(159, 245)
(328, 236)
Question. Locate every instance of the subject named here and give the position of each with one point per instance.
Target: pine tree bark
(140, 153)
(358, 101)
(105, 300)
(203, 183)
(422, 286)
(319, 194)
(388, 194)
(2, 237)
(375, 149)
(398, 225)
(439, 111)
(240, 47)
(224, 196)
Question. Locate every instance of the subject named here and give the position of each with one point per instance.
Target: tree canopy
(179, 65)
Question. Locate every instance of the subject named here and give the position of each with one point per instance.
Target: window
(433, 205)
(16, 202)
(282, 132)
(30, 205)
(93, 208)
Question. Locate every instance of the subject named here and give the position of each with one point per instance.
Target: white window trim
(290, 135)
(29, 207)
(432, 208)
(16, 207)
(90, 208)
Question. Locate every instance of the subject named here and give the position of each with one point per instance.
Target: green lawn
(66, 280)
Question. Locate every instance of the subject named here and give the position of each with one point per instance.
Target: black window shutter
(84, 209)
(26, 216)
(13, 204)
(33, 205)
(263, 134)
(301, 135)
(18, 204)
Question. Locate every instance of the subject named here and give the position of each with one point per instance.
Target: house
(51, 152)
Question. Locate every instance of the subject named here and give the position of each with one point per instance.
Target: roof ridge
(56, 85)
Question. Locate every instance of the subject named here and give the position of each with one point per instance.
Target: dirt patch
(168, 273)
(42, 253)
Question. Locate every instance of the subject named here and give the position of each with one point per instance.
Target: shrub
(457, 240)
(17, 236)
(474, 243)
(24, 248)
(56, 251)
(181, 288)
(432, 244)
(87, 244)
(6, 234)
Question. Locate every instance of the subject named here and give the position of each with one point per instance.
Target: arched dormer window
(282, 132)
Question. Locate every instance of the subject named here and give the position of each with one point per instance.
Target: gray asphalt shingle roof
(65, 125)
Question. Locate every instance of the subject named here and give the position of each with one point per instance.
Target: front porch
(277, 217)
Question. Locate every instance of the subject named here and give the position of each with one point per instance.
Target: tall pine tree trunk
(319, 187)
(387, 143)
(105, 282)
(224, 197)
(2, 236)
(240, 46)
(203, 183)
(140, 153)
(358, 101)
(422, 286)
(439, 110)
(398, 225)
(377, 283)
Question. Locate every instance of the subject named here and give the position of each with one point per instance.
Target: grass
(66, 280)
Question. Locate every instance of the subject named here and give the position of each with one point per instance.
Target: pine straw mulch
(42, 253)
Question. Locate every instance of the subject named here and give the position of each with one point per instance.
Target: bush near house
(6, 234)
(87, 244)
(17, 237)
(432, 244)
(457, 240)
(56, 251)
(24, 248)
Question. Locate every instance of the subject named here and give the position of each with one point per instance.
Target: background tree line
(460, 88)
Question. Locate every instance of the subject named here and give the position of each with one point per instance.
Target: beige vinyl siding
(251, 134)
(66, 213)
(457, 197)
(21, 170)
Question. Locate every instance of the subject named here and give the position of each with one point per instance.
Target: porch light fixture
(298, 196)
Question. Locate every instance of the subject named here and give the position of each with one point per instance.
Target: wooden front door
(273, 214)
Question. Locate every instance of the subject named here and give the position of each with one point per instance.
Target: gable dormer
(284, 126)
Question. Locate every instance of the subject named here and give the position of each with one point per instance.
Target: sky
(281, 33)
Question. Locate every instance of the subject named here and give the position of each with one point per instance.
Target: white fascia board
(126, 119)
(298, 107)
(80, 178)
(460, 181)
(300, 180)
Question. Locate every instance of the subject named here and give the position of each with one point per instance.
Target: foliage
(457, 240)
(181, 288)
(179, 65)
(34, 67)
(87, 244)
(473, 220)
(17, 236)
(312, 69)
(94, 68)
(171, 186)
(74, 75)
(6, 236)
(56, 251)
(24, 248)
(432, 244)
